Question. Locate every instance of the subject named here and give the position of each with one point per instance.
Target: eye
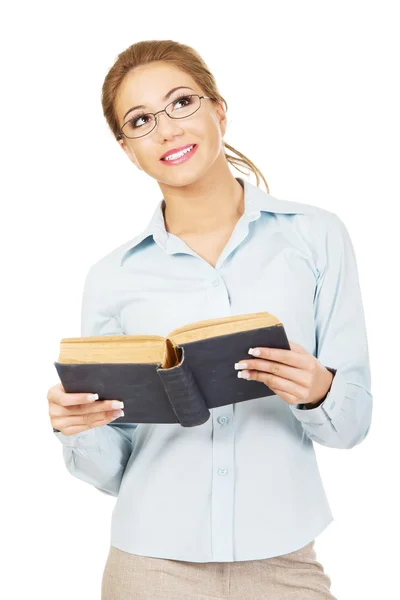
(181, 102)
(187, 99)
(133, 121)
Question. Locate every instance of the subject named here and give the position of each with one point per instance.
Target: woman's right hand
(72, 412)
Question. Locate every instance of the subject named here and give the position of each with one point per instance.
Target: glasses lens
(138, 125)
(183, 106)
(141, 124)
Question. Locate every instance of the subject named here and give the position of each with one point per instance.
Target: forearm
(343, 418)
(98, 456)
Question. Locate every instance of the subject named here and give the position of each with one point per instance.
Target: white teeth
(178, 154)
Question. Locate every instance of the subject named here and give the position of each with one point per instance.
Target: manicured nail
(240, 365)
(117, 404)
(243, 374)
(119, 414)
(92, 397)
(254, 351)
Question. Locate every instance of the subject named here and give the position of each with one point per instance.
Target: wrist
(316, 403)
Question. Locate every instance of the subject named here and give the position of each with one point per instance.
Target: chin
(180, 177)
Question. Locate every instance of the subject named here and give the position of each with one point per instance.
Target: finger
(294, 374)
(84, 422)
(286, 396)
(56, 410)
(297, 347)
(58, 396)
(289, 398)
(274, 382)
(288, 357)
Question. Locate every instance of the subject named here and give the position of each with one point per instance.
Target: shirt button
(215, 282)
(222, 420)
(222, 471)
(83, 436)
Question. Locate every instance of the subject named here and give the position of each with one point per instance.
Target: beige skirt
(294, 576)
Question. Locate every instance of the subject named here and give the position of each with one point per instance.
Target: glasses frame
(122, 134)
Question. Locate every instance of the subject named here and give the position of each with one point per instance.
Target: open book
(173, 379)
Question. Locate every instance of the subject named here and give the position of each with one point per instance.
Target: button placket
(223, 486)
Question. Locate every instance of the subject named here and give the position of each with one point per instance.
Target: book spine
(186, 400)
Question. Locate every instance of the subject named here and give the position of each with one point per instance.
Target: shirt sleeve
(343, 419)
(98, 456)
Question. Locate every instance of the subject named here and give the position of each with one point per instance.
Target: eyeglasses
(143, 123)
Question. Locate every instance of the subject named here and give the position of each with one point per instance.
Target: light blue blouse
(245, 485)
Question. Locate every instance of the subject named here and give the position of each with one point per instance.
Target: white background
(313, 101)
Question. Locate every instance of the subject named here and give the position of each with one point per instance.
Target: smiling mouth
(179, 155)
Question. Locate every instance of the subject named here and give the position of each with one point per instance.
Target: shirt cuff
(83, 439)
(329, 408)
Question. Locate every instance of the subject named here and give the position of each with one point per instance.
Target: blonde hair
(186, 59)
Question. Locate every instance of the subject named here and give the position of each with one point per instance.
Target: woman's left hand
(294, 375)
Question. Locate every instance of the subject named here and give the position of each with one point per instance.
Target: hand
(294, 375)
(72, 413)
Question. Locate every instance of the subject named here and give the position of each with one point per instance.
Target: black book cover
(204, 378)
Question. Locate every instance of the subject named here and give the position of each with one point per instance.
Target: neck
(212, 204)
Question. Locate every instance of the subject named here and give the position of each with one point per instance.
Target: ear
(129, 152)
(221, 114)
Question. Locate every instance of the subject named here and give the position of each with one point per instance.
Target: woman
(229, 509)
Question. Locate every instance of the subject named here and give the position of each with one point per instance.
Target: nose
(167, 126)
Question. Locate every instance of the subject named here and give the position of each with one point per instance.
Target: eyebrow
(165, 98)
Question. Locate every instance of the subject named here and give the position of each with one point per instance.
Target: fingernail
(254, 351)
(243, 374)
(117, 404)
(120, 414)
(92, 397)
(240, 365)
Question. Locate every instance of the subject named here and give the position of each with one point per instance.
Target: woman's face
(147, 85)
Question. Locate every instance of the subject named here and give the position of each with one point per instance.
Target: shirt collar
(255, 201)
